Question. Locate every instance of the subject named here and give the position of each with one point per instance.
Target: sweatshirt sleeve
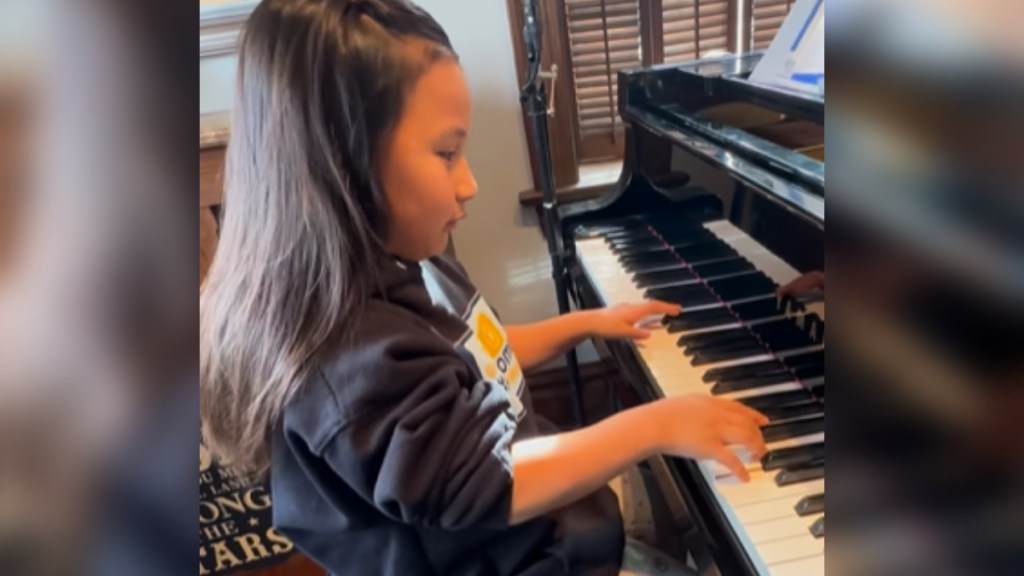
(425, 441)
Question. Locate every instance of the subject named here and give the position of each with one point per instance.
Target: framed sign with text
(235, 523)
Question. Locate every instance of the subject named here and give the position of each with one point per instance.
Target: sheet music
(795, 60)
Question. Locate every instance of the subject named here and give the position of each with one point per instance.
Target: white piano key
(811, 566)
(772, 530)
(761, 391)
(789, 549)
(762, 488)
(754, 463)
(778, 508)
(761, 257)
(762, 514)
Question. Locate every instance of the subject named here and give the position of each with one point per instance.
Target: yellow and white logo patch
(488, 343)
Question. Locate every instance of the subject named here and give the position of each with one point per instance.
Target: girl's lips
(453, 222)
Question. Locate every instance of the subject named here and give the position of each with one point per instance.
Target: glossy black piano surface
(720, 200)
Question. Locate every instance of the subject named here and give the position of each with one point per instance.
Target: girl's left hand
(620, 321)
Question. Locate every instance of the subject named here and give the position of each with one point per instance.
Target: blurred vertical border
(98, 287)
(925, 253)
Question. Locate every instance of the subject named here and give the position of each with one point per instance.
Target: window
(589, 41)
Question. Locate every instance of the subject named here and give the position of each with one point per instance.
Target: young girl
(346, 356)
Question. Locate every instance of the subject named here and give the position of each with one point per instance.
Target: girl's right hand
(703, 427)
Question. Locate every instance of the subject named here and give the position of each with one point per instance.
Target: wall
(506, 256)
(499, 243)
(216, 83)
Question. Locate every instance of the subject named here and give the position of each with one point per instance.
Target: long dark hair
(320, 85)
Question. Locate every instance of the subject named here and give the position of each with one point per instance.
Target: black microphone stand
(534, 96)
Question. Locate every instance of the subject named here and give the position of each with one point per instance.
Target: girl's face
(423, 171)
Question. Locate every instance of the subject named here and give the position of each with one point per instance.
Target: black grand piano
(720, 202)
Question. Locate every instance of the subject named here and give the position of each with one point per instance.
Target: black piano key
(800, 474)
(759, 309)
(678, 291)
(738, 384)
(687, 295)
(662, 277)
(638, 247)
(697, 319)
(780, 345)
(706, 251)
(804, 358)
(627, 228)
(782, 457)
(754, 380)
(778, 399)
(685, 235)
(818, 528)
(627, 235)
(793, 429)
(727, 289)
(723, 315)
(809, 371)
(686, 242)
(774, 333)
(809, 505)
(742, 286)
(640, 256)
(746, 350)
(791, 411)
(723, 267)
(736, 342)
(731, 351)
(781, 332)
(639, 243)
(637, 262)
(712, 336)
(677, 237)
(693, 299)
(814, 358)
(718, 374)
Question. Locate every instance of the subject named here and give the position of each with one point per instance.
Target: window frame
(568, 147)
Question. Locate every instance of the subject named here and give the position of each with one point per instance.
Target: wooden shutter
(562, 139)
(766, 17)
(692, 28)
(604, 37)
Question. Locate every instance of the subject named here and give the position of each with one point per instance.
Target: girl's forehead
(440, 96)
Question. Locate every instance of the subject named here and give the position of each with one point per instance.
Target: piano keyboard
(735, 338)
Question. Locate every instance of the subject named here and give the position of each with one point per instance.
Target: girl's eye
(448, 156)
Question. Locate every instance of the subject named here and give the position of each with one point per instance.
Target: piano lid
(780, 131)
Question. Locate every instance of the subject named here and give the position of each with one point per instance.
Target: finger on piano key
(753, 462)
(764, 510)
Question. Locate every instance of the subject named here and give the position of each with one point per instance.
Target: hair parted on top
(320, 84)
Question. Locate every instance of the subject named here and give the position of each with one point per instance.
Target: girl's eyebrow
(457, 132)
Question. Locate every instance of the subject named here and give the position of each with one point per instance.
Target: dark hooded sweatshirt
(394, 458)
